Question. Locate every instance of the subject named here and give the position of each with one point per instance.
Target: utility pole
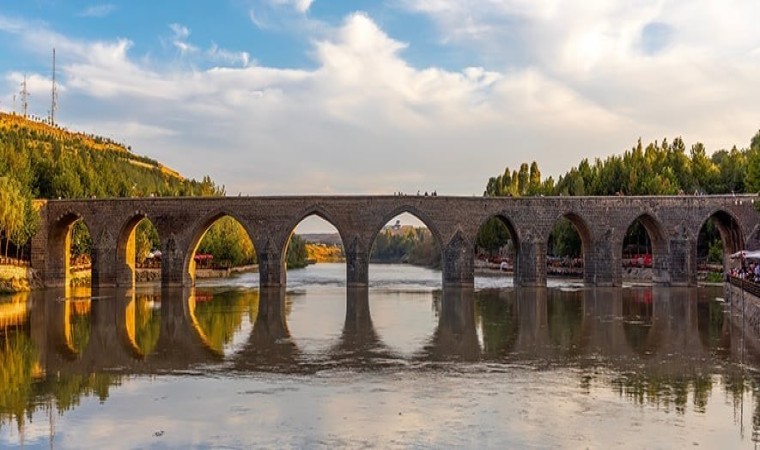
(24, 97)
(53, 95)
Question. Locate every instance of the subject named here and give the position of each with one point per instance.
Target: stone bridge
(673, 224)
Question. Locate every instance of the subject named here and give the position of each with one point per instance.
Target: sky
(374, 97)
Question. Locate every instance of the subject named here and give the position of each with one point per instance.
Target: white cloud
(366, 120)
(225, 56)
(98, 10)
(180, 39)
(301, 6)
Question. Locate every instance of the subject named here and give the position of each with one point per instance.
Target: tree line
(659, 168)
(412, 245)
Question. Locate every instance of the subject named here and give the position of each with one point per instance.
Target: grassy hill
(51, 162)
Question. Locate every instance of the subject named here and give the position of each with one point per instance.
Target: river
(401, 364)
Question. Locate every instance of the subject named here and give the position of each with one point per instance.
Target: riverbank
(15, 279)
(629, 274)
(154, 275)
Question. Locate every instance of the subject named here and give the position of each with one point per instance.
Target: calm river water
(401, 364)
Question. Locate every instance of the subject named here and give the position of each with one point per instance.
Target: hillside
(51, 162)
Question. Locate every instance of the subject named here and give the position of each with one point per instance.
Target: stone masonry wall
(672, 222)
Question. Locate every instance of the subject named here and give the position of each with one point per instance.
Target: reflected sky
(397, 364)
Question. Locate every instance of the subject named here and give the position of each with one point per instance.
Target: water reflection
(669, 348)
(456, 336)
(143, 323)
(359, 345)
(269, 346)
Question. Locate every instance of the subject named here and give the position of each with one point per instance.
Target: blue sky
(299, 96)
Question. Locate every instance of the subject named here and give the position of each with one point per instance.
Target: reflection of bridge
(673, 224)
(665, 331)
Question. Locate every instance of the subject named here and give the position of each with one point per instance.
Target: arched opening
(138, 253)
(644, 251)
(406, 251)
(315, 253)
(70, 252)
(223, 247)
(80, 255)
(496, 250)
(568, 247)
(719, 237)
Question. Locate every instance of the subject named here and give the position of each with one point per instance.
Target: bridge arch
(659, 244)
(730, 229)
(318, 211)
(126, 248)
(314, 211)
(59, 247)
(378, 227)
(416, 212)
(197, 232)
(487, 224)
(583, 230)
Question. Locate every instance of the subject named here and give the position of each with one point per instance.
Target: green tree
(295, 256)
(29, 227)
(753, 165)
(492, 236)
(228, 242)
(146, 239)
(12, 207)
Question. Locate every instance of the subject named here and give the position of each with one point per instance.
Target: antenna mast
(53, 95)
(24, 96)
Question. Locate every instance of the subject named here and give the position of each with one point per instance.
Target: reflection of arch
(199, 229)
(140, 344)
(180, 344)
(125, 250)
(638, 321)
(196, 326)
(59, 247)
(359, 344)
(498, 321)
(74, 331)
(565, 320)
(455, 337)
(219, 316)
(658, 239)
(731, 233)
(269, 346)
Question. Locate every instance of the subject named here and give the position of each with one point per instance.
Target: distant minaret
(24, 97)
(53, 95)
